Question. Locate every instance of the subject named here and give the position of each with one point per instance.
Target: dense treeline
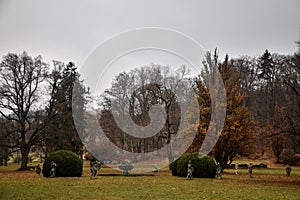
(271, 83)
(262, 112)
(262, 107)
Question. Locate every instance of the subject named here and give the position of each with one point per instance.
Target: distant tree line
(272, 85)
(262, 107)
(262, 114)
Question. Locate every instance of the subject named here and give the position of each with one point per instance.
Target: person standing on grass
(250, 167)
(52, 169)
(236, 169)
(219, 171)
(288, 170)
(94, 168)
(189, 171)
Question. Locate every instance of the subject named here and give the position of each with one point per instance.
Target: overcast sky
(70, 30)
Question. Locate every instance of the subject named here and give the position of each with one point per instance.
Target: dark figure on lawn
(94, 167)
(38, 170)
(52, 169)
(288, 170)
(219, 171)
(190, 170)
(250, 167)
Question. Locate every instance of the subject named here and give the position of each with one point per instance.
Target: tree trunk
(169, 151)
(5, 161)
(25, 155)
(278, 160)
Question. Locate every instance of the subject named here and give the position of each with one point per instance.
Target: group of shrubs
(70, 165)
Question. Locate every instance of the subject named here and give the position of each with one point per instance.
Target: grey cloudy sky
(71, 29)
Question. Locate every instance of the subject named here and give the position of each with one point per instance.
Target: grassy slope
(266, 184)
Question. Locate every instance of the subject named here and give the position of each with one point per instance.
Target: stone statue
(52, 169)
(155, 168)
(189, 171)
(236, 169)
(95, 166)
(38, 170)
(250, 167)
(288, 170)
(219, 171)
(126, 167)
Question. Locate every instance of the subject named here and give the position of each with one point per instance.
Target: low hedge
(68, 164)
(203, 167)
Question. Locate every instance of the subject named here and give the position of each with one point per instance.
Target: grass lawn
(266, 184)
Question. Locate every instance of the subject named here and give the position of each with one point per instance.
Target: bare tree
(21, 100)
(277, 146)
(132, 96)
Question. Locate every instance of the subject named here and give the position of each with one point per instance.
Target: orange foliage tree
(238, 128)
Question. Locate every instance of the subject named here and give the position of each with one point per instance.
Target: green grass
(266, 184)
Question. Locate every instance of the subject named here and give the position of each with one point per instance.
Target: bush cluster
(203, 168)
(68, 164)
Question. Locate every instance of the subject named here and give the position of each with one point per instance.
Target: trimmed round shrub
(68, 164)
(204, 167)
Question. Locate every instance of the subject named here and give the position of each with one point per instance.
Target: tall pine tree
(62, 133)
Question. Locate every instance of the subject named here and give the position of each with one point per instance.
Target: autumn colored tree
(204, 116)
(238, 126)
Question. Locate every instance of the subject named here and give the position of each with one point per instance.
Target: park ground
(270, 183)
